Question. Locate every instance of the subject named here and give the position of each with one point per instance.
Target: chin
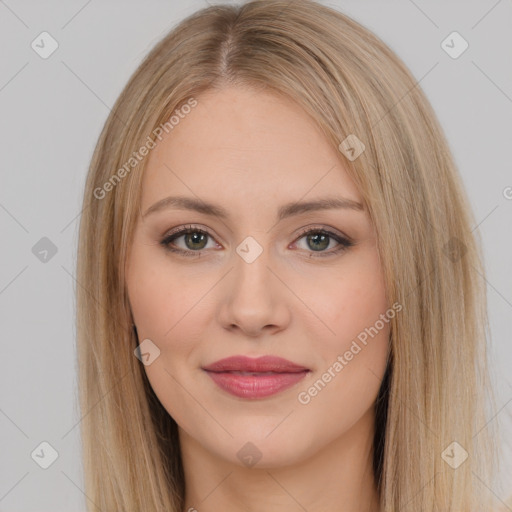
(254, 450)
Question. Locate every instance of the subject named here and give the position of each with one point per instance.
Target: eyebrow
(287, 210)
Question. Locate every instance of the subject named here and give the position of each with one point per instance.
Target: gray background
(52, 112)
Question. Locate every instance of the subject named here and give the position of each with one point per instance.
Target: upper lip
(259, 364)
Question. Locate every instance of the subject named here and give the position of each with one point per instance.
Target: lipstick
(254, 378)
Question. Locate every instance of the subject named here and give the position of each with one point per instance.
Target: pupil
(196, 238)
(316, 237)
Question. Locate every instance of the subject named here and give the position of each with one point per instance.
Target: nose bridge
(251, 299)
(251, 262)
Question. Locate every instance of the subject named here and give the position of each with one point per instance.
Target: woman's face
(271, 277)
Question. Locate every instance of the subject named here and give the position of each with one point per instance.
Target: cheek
(152, 305)
(170, 308)
(161, 301)
(349, 301)
(158, 297)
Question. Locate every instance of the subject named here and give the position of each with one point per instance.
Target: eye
(320, 239)
(317, 240)
(195, 240)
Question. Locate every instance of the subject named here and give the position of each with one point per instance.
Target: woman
(283, 308)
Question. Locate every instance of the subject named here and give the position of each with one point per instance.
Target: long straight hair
(436, 389)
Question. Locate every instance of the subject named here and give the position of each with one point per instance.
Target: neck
(338, 477)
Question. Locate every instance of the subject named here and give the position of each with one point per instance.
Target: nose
(254, 300)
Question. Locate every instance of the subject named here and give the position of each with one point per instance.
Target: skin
(251, 152)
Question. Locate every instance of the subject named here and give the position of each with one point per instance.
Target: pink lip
(255, 378)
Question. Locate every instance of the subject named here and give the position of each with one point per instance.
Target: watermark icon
(507, 192)
(44, 455)
(44, 250)
(147, 352)
(454, 45)
(304, 397)
(249, 454)
(454, 455)
(351, 147)
(249, 249)
(143, 151)
(454, 249)
(44, 45)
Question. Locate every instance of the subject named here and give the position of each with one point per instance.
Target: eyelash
(344, 243)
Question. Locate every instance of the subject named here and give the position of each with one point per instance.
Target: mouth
(251, 378)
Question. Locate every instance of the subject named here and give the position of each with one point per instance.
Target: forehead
(257, 145)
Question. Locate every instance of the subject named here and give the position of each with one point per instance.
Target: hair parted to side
(436, 389)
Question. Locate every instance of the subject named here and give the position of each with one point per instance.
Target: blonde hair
(436, 388)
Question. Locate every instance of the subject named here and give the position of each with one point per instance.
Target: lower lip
(255, 386)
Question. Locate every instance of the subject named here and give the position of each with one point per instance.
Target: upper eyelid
(319, 227)
(180, 231)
